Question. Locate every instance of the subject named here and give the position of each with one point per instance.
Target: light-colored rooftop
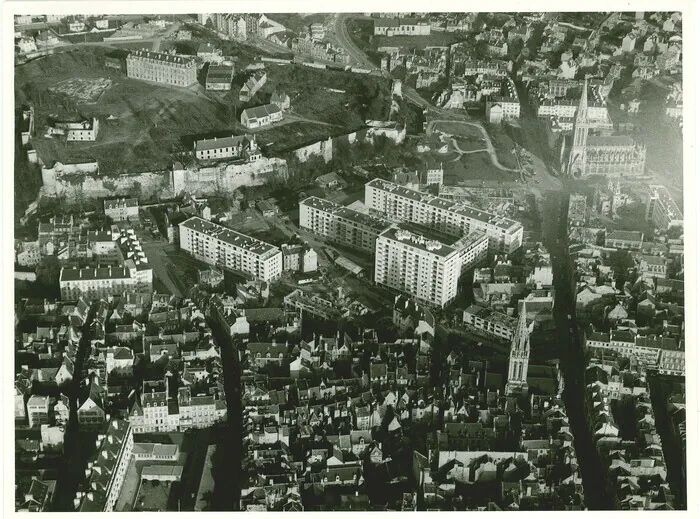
(447, 205)
(161, 56)
(230, 236)
(377, 224)
(93, 273)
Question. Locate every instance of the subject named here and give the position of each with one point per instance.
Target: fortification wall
(84, 181)
(148, 184)
(325, 148)
(206, 181)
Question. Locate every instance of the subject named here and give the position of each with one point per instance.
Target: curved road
(489, 145)
(342, 35)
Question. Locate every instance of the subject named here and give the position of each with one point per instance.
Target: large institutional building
(235, 146)
(133, 272)
(340, 224)
(600, 154)
(161, 68)
(423, 265)
(221, 246)
(401, 27)
(396, 202)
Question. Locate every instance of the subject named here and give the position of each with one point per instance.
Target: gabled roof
(258, 112)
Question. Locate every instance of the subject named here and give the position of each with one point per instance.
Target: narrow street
(229, 454)
(75, 455)
(598, 495)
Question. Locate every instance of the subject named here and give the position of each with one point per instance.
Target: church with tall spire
(519, 354)
(587, 153)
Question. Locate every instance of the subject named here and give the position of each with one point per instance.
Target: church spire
(519, 354)
(577, 157)
(582, 112)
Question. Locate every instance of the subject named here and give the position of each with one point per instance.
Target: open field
(503, 144)
(142, 123)
(82, 90)
(475, 166)
(469, 143)
(466, 137)
(89, 37)
(293, 135)
(458, 129)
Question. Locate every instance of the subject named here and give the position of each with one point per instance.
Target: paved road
(74, 463)
(597, 493)
(226, 471)
(344, 40)
(342, 35)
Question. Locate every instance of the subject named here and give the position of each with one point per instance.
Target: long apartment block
(425, 264)
(403, 204)
(218, 245)
(340, 224)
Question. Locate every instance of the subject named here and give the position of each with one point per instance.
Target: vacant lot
(475, 166)
(467, 137)
(293, 135)
(153, 496)
(503, 143)
(470, 143)
(89, 37)
(458, 129)
(142, 123)
(82, 90)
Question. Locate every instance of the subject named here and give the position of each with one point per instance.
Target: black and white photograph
(349, 261)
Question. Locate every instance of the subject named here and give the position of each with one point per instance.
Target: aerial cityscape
(349, 262)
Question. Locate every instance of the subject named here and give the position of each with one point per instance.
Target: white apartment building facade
(402, 204)
(340, 224)
(662, 209)
(434, 174)
(510, 106)
(108, 469)
(427, 268)
(95, 282)
(218, 245)
(161, 68)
